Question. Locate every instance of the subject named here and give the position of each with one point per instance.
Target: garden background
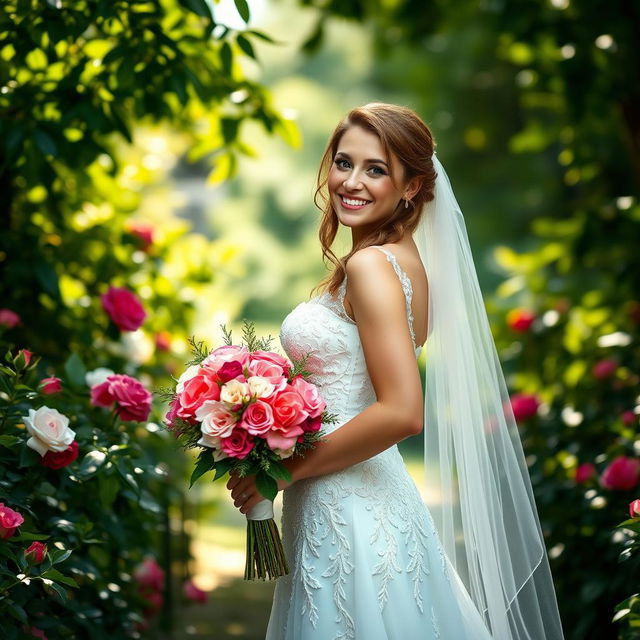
(157, 166)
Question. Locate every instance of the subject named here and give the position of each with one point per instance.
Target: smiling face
(359, 182)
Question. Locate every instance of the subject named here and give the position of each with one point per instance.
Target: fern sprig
(199, 351)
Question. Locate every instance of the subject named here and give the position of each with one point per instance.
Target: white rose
(191, 372)
(234, 392)
(216, 419)
(97, 376)
(49, 430)
(285, 453)
(260, 386)
(137, 346)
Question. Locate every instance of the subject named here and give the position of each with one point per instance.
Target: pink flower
(622, 473)
(238, 444)
(133, 401)
(10, 520)
(51, 385)
(584, 473)
(281, 442)
(230, 370)
(312, 424)
(124, 308)
(217, 420)
(35, 552)
(524, 405)
(520, 319)
(272, 372)
(60, 459)
(35, 632)
(634, 508)
(9, 318)
(288, 408)
(628, 417)
(313, 403)
(604, 368)
(272, 358)
(196, 390)
(149, 574)
(23, 359)
(226, 353)
(143, 232)
(194, 593)
(257, 418)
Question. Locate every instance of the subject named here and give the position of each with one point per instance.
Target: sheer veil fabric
(483, 503)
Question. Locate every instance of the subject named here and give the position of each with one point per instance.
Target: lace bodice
(322, 329)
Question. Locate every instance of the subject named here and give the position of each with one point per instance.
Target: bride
(369, 560)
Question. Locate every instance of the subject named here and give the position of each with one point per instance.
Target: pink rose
(524, 406)
(226, 353)
(520, 319)
(9, 318)
(257, 418)
(60, 459)
(191, 592)
(124, 308)
(143, 232)
(238, 444)
(622, 473)
(10, 520)
(584, 473)
(197, 390)
(149, 574)
(277, 441)
(604, 368)
(634, 508)
(288, 408)
(35, 552)
(272, 372)
(272, 358)
(216, 419)
(133, 401)
(51, 385)
(313, 403)
(23, 358)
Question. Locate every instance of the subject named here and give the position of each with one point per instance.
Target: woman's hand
(244, 492)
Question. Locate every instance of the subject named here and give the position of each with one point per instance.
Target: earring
(406, 204)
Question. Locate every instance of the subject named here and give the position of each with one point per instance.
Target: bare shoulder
(368, 261)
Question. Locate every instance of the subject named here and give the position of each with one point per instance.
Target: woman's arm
(379, 309)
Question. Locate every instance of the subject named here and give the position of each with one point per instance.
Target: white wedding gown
(364, 556)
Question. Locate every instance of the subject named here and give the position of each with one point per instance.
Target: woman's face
(359, 183)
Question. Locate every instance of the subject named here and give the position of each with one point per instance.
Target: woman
(367, 559)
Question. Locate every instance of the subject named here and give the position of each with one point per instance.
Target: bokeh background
(170, 148)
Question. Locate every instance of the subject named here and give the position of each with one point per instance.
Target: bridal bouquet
(248, 408)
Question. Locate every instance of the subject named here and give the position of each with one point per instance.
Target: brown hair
(401, 132)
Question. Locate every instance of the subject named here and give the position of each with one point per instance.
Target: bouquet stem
(265, 555)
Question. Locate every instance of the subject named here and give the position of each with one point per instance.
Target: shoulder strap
(406, 286)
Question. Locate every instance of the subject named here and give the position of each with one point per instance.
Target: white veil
(483, 503)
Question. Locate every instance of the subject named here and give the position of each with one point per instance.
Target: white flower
(137, 346)
(191, 372)
(260, 386)
(234, 392)
(49, 430)
(216, 419)
(97, 376)
(285, 453)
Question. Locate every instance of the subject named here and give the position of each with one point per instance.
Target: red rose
(634, 508)
(622, 473)
(149, 574)
(10, 520)
(604, 368)
(59, 459)
(51, 385)
(584, 473)
(229, 370)
(312, 424)
(628, 417)
(124, 308)
(35, 552)
(524, 405)
(520, 319)
(9, 318)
